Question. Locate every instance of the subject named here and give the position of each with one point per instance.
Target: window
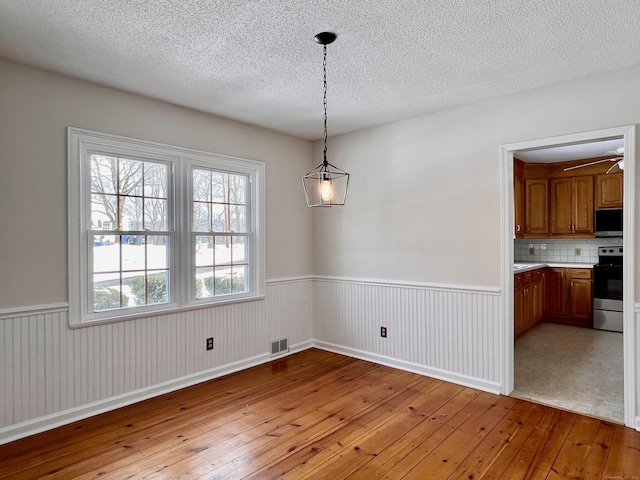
(157, 228)
(220, 233)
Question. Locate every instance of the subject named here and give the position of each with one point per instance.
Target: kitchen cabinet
(568, 296)
(518, 200)
(537, 297)
(580, 295)
(536, 206)
(528, 299)
(555, 292)
(571, 206)
(609, 190)
(518, 305)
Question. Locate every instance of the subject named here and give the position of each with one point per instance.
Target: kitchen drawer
(517, 280)
(526, 277)
(580, 273)
(536, 275)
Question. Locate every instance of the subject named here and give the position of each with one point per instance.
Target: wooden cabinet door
(580, 299)
(571, 206)
(580, 295)
(536, 299)
(536, 206)
(609, 190)
(527, 307)
(555, 291)
(560, 207)
(518, 309)
(518, 206)
(582, 205)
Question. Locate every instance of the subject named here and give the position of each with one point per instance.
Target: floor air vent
(279, 346)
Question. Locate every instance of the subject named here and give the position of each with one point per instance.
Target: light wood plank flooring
(320, 415)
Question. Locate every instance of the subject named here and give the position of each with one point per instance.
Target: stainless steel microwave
(608, 222)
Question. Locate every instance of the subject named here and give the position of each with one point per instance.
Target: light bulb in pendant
(326, 192)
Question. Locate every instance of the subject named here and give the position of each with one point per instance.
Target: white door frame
(629, 241)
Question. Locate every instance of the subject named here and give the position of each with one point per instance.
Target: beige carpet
(572, 368)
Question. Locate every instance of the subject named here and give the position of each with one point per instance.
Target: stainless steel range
(607, 289)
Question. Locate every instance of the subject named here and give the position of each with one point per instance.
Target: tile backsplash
(561, 250)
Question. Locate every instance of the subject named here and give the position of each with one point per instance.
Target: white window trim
(80, 142)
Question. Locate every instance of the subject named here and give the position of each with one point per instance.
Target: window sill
(156, 313)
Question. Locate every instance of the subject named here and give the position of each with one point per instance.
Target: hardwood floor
(320, 415)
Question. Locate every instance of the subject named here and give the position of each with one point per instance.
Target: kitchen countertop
(519, 267)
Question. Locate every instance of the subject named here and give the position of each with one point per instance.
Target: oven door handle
(607, 267)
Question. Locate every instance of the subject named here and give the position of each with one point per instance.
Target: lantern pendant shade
(325, 186)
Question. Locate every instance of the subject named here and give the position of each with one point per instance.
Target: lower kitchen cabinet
(558, 295)
(580, 296)
(528, 300)
(519, 302)
(569, 296)
(555, 291)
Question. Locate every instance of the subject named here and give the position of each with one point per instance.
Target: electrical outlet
(531, 251)
(210, 343)
(578, 252)
(383, 332)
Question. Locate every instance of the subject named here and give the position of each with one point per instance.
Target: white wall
(417, 248)
(35, 109)
(424, 210)
(424, 194)
(50, 373)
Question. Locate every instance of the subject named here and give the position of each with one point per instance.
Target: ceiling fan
(618, 158)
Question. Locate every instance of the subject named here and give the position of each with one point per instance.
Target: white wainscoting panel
(51, 374)
(448, 332)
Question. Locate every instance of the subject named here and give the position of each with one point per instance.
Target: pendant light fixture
(326, 185)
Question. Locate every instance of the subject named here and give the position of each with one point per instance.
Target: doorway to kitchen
(627, 136)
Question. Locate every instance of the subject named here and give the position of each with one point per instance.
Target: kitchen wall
(561, 250)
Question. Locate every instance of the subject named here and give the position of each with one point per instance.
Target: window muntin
(134, 251)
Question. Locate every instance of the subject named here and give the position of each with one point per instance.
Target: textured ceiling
(256, 61)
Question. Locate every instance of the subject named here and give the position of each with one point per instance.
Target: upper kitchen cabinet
(560, 198)
(571, 206)
(518, 197)
(609, 190)
(536, 199)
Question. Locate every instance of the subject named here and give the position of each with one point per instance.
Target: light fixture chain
(324, 102)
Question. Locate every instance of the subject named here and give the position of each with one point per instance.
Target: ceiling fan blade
(591, 163)
(619, 164)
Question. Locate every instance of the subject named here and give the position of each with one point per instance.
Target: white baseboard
(47, 422)
(467, 381)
